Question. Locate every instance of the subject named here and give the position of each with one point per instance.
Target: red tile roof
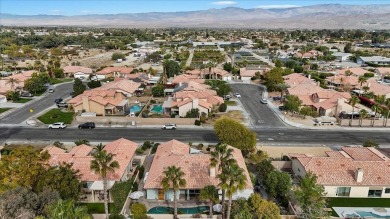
(108, 70)
(75, 69)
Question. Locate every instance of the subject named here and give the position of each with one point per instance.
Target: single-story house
(81, 156)
(127, 87)
(77, 71)
(196, 167)
(297, 78)
(356, 172)
(20, 77)
(382, 72)
(248, 74)
(116, 72)
(379, 60)
(354, 71)
(342, 56)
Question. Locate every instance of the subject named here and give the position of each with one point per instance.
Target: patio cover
(123, 102)
(98, 185)
(109, 107)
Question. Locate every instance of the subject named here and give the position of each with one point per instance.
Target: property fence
(117, 120)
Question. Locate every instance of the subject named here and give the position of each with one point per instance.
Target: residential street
(260, 114)
(22, 114)
(265, 136)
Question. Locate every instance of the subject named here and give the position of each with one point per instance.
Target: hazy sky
(81, 7)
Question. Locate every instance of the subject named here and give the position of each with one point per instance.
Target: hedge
(119, 193)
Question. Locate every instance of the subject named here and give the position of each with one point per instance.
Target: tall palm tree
(353, 101)
(387, 103)
(362, 115)
(221, 158)
(366, 89)
(233, 52)
(282, 87)
(173, 179)
(379, 101)
(209, 194)
(232, 179)
(102, 164)
(12, 82)
(362, 80)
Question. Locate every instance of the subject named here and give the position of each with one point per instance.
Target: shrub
(200, 146)
(153, 101)
(154, 148)
(117, 55)
(203, 118)
(135, 186)
(119, 192)
(139, 151)
(116, 216)
(147, 145)
(222, 107)
(138, 210)
(369, 75)
(197, 122)
(141, 170)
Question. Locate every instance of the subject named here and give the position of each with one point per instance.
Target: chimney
(359, 175)
(212, 171)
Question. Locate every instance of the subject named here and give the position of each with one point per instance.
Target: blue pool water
(168, 210)
(157, 108)
(135, 109)
(369, 214)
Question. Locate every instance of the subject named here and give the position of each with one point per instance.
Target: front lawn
(357, 202)
(22, 100)
(2, 110)
(60, 80)
(56, 115)
(97, 208)
(231, 103)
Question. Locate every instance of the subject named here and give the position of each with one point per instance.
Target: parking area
(260, 114)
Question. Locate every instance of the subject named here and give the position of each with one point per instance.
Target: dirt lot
(278, 152)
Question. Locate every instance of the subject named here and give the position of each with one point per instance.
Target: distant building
(341, 56)
(379, 60)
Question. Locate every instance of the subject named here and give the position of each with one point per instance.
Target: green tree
(232, 179)
(158, 91)
(273, 77)
(58, 72)
(18, 202)
(306, 111)
(102, 164)
(117, 55)
(353, 101)
(193, 113)
(138, 210)
(282, 87)
(240, 209)
(36, 83)
(232, 132)
(94, 84)
(22, 167)
(264, 167)
(12, 95)
(362, 114)
(12, 82)
(172, 68)
(78, 87)
(222, 107)
(278, 63)
(153, 57)
(263, 209)
(292, 103)
(173, 178)
(348, 48)
(310, 196)
(370, 143)
(387, 103)
(62, 179)
(277, 183)
(209, 194)
(66, 209)
(223, 89)
(227, 66)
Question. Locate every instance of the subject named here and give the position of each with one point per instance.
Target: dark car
(57, 101)
(281, 108)
(62, 104)
(26, 94)
(87, 125)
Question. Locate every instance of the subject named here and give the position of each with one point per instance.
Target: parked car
(277, 98)
(58, 100)
(169, 126)
(57, 125)
(263, 101)
(62, 104)
(26, 94)
(51, 90)
(281, 108)
(237, 95)
(87, 125)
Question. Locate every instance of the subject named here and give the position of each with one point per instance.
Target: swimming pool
(135, 109)
(157, 108)
(364, 214)
(168, 210)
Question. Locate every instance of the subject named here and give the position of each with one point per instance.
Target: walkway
(189, 60)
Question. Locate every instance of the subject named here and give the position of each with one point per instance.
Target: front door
(160, 194)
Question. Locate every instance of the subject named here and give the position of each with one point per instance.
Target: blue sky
(82, 7)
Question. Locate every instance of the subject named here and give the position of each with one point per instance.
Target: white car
(237, 95)
(169, 126)
(57, 125)
(51, 90)
(263, 101)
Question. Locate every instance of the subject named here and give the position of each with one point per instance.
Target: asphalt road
(264, 136)
(260, 114)
(22, 114)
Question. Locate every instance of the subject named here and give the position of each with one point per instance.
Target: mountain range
(328, 16)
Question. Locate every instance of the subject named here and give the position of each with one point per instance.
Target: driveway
(261, 115)
(22, 114)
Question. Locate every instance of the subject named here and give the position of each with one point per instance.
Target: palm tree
(102, 164)
(362, 80)
(387, 103)
(366, 89)
(173, 179)
(282, 87)
(210, 194)
(379, 100)
(12, 82)
(353, 101)
(221, 157)
(232, 179)
(362, 115)
(233, 52)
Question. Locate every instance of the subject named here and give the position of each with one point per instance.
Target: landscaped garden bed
(56, 115)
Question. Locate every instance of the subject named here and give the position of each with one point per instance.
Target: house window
(375, 193)
(387, 190)
(343, 191)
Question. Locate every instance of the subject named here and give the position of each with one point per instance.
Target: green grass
(60, 80)
(2, 110)
(97, 208)
(231, 103)
(39, 93)
(22, 100)
(358, 202)
(56, 115)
